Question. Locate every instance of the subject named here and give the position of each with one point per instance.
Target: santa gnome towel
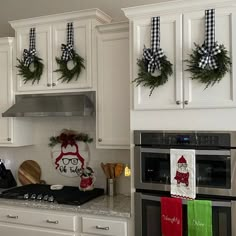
(183, 173)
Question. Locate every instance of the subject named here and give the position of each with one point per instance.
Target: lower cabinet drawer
(104, 227)
(55, 220)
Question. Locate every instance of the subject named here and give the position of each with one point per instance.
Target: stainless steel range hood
(70, 104)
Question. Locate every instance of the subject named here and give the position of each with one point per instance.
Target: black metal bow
(67, 52)
(208, 56)
(153, 58)
(29, 56)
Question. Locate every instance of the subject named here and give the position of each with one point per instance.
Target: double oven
(215, 177)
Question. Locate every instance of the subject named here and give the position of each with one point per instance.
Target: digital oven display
(184, 139)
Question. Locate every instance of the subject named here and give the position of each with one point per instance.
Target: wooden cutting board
(29, 172)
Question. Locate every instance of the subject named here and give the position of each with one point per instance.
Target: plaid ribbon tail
(29, 56)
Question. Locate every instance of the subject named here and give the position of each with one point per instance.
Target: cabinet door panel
(82, 45)
(6, 124)
(222, 94)
(113, 89)
(20, 230)
(165, 96)
(43, 39)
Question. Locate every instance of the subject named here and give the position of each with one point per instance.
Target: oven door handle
(184, 202)
(197, 152)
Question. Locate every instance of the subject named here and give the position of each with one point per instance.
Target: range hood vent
(37, 105)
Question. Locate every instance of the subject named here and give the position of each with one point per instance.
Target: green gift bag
(199, 218)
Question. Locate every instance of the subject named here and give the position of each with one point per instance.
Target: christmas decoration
(153, 61)
(30, 67)
(210, 62)
(87, 179)
(183, 176)
(69, 55)
(70, 153)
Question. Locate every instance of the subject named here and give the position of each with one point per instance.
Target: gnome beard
(182, 174)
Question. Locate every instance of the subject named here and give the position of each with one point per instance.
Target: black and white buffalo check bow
(67, 50)
(30, 54)
(210, 48)
(153, 54)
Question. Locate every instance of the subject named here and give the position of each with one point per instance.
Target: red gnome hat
(182, 160)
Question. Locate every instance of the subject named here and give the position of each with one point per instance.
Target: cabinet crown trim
(174, 6)
(95, 13)
(116, 27)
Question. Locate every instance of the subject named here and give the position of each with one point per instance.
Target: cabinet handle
(49, 85)
(178, 102)
(186, 102)
(12, 217)
(99, 140)
(54, 84)
(102, 228)
(52, 221)
(8, 139)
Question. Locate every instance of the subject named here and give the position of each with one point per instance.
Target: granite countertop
(117, 206)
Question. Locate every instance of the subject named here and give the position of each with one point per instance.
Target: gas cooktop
(38, 192)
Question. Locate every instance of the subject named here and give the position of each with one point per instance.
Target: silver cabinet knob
(8, 139)
(186, 102)
(48, 84)
(54, 84)
(99, 140)
(178, 102)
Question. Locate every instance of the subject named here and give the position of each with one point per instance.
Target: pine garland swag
(208, 75)
(27, 73)
(68, 74)
(146, 78)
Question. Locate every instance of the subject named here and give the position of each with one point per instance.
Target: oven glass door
(212, 167)
(148, 216)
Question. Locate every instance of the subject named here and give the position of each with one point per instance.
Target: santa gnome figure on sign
(182, 174)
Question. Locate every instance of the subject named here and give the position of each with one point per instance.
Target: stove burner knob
(26, 196)
(33, 196)
(51, 199)
(45, 198)
(39, 197)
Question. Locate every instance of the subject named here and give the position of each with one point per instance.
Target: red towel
(171, 216)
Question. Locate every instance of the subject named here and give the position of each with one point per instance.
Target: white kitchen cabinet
(37, 222)
(51, 32)
(182, 25)
(13, 131)
(113, 99)
(94, 225)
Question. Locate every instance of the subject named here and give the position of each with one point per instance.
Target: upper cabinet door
(82, 46)
(166, 96)
(43, 48)
(222, 94)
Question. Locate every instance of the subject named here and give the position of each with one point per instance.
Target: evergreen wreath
(31, 66)
(208, 75)
(69, 136)
(153, 60)
(210, 62)
(147, 79)
(69, 55)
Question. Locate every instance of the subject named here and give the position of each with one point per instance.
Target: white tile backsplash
(44, 128)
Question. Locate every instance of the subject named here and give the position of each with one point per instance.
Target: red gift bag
(171, 216)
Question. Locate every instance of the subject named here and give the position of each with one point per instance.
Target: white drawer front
(104, 227)
(55, 220)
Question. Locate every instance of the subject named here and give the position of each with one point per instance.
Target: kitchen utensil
(112, 170)
(119, 167)
(29, 172)
(106, 170)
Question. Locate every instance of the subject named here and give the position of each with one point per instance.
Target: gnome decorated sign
(182, 173)
(70, 152)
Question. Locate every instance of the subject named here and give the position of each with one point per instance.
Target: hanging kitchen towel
(183, 173)
(171, 216)
(199, 218)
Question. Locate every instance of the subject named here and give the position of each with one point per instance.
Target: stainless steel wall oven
(215, 177)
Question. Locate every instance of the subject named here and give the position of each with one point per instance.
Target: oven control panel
(186, 138)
